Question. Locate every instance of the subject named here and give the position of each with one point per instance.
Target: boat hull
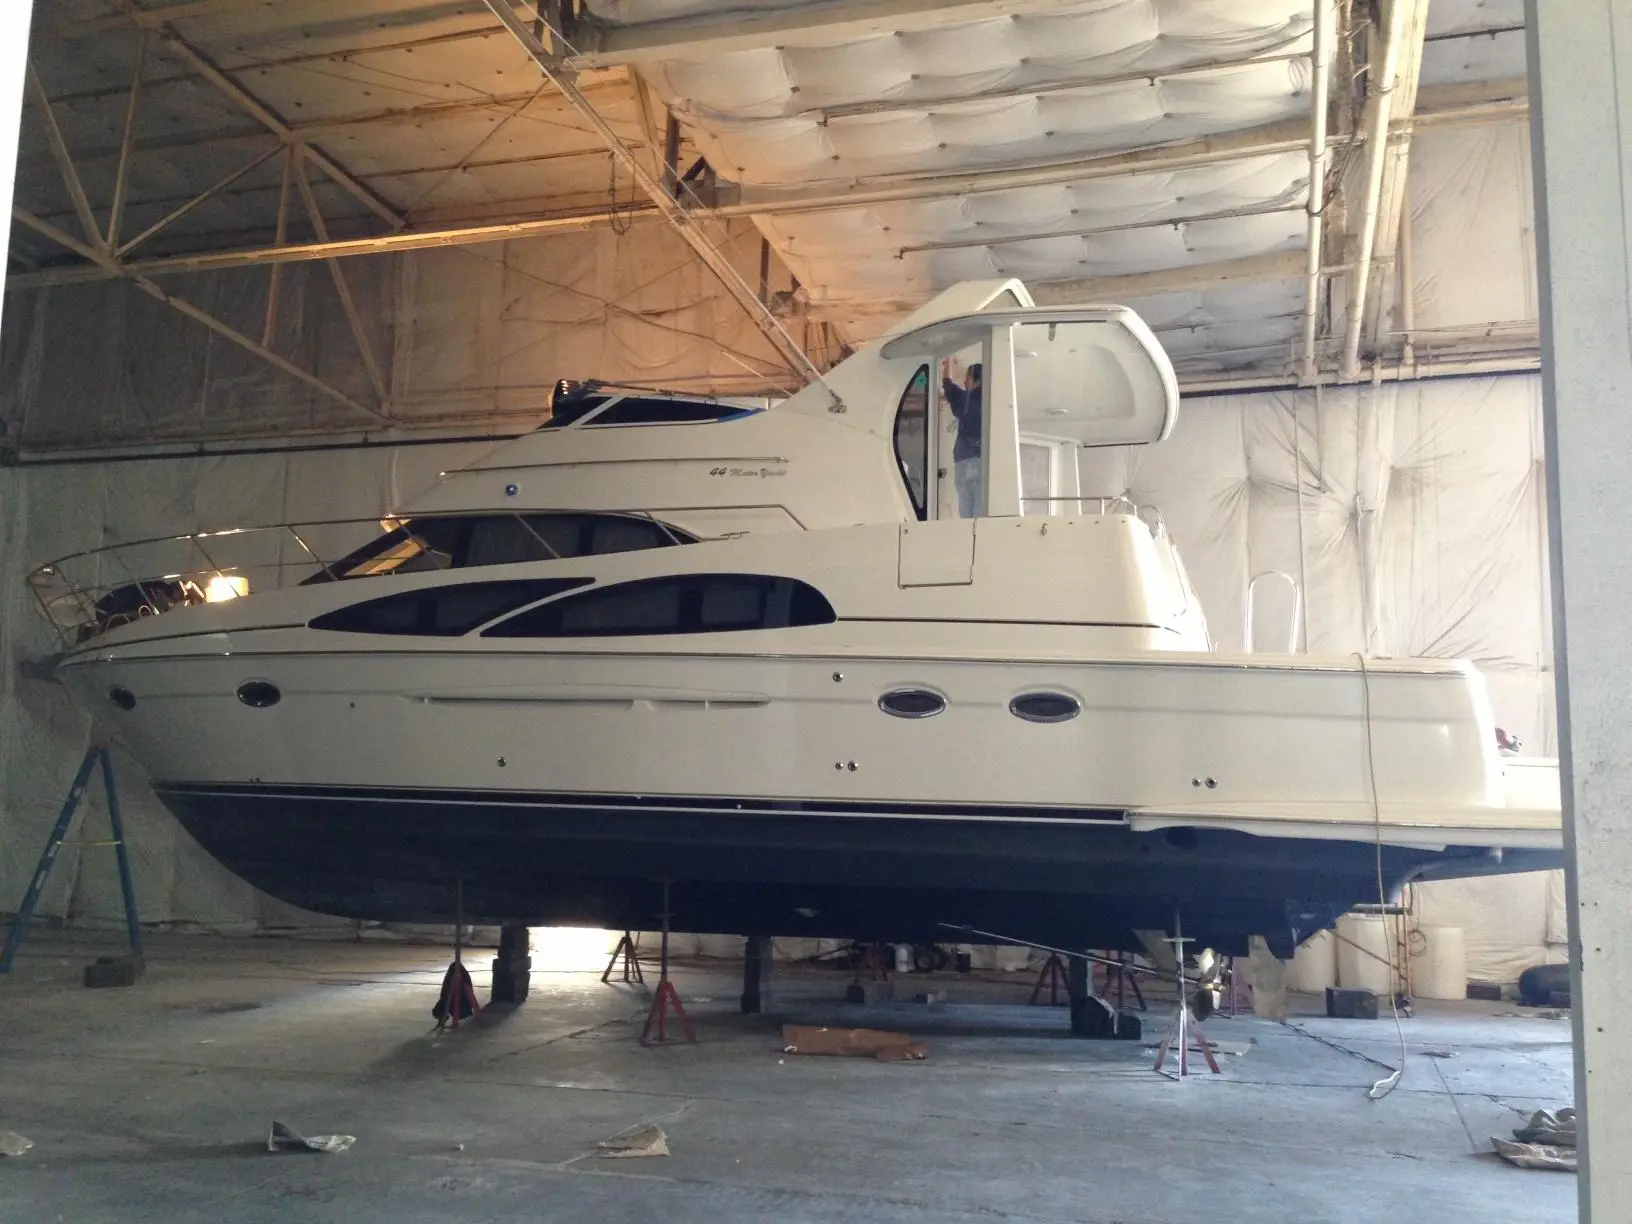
(744, 866)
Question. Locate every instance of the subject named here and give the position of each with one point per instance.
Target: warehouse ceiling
(1153, 152)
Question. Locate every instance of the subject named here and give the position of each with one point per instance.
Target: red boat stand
(666, 996)
(457, 1000)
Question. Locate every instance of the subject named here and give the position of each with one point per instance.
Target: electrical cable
(1388, 1083)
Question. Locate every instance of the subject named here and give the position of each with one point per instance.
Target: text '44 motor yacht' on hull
(861, 664)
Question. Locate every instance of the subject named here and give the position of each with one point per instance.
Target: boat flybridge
(858, 664)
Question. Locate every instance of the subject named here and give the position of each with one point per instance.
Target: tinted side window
(447, 611)
(507, 539)
(912, 438)
(571, 407)
(692, 603)
(636, 410)
(613, 534)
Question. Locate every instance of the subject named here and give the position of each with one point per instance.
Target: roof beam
(260, 112)
(342, 248)
(150, 18)
(1254, 269)
(65, 162)
(1456, 104)
(1046, 88)
(1288, 136)
(1391, 68)
(107, 261)
(1438, 104)
(995, 240)
(599, 45)
(342, 286)
(685, 224)
(1396, 167)
(1195, 278)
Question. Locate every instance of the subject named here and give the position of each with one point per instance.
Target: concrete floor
(153, 1104)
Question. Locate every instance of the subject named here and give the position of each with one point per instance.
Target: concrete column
(756, 975)
(1581, 117)
(1268, 980)
(14, 21)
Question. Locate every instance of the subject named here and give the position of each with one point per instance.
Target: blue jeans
(966, 472)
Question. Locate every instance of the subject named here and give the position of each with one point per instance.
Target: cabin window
(444, 611)
(448, 542)
(1045, 707)
(912, 440)
(639, 410)
(588, 407)
(688, 603)
(912, 703)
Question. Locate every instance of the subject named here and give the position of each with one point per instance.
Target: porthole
(912, 703)
(259, 694)
(122, 697)
(1045, 707)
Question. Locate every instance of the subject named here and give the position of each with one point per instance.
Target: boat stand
(457, 999)
(105, 972)
(1126, 974)
(666, 996)
(1183, 1027)
(629, 952)
(1054, 977)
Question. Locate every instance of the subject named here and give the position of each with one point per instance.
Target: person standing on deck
(965, 404)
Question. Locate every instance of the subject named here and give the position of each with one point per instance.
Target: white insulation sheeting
(1421, 533)
(1035, 87)
(1414, 517)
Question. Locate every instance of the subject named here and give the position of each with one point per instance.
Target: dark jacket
(965, 407)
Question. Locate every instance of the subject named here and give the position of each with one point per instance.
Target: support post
(1581, 110)
(671, 154)
(1089, 1015)
(512, 967)
(756, 975)
(1268, 980)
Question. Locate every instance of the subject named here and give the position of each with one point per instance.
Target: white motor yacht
(860, 663)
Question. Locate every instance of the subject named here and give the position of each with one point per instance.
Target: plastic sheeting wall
(468, 335)
(1413, 517)
(1412, 514)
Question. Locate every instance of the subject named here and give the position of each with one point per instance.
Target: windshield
(424, 544)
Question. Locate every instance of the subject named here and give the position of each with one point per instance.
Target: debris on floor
(852, 1043)
(642, 1140)
(1545, 1126)
(1535, 1155)
(282, 1139)
(13, 1144)
(1546, 1142)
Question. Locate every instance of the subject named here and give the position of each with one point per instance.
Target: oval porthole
(1045, 707)
(912, 703)
(259, 694)
(122, 697)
